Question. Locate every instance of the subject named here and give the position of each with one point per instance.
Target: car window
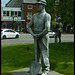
(51, 31)
(6, 31)
(1, 30)
(11, 31)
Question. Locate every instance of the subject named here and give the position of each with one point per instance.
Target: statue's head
(40, 4)
(58, 19)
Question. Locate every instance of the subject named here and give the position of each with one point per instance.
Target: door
(12, 33)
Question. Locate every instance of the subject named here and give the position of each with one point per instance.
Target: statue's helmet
(41, 2)
(59, 18)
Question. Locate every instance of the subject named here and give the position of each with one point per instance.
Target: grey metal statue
(58, 29)
(39, 27)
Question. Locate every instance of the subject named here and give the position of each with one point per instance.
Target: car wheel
(17, 36)
(4, 37)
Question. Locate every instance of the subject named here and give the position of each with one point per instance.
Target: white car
(9, 33)
(51, 34)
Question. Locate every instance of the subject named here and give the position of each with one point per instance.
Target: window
(4, 13)
(19, 13)
(30, 7)
(7, 13)
(29, 15)
(6, 31)
(15, 13)
(11, 31)
(12, 13)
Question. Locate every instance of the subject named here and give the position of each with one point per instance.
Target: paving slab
(24, 71)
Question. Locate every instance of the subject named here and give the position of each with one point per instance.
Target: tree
(50, 7)
(65, 10)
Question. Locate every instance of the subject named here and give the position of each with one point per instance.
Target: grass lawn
(18, 56)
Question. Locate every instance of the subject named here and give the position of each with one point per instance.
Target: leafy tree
(65, 10)
(50, 7)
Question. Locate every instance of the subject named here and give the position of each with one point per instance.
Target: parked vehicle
(51, 34)
(9, 33)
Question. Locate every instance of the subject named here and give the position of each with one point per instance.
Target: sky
(3, 2)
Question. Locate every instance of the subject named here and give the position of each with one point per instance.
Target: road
(27, 38)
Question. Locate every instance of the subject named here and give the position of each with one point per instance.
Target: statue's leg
(56, 37)
(44, 44)
(38, 54)
(59, 36)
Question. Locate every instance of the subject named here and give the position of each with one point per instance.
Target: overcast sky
(3, 2)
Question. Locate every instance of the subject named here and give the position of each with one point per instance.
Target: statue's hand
(35, 36)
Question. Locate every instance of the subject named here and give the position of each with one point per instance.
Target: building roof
(14, 3)
(18, 3)
(29, 1)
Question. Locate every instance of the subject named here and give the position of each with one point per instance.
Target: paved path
(23, 71)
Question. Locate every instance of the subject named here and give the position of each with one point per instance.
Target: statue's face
(40, 7)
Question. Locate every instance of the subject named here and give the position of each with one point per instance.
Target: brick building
(27, 8)
(20, 12)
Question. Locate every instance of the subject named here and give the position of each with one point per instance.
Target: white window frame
(29, 15)
(30, 6)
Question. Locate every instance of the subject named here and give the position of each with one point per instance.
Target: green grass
(17, 56)
(62, 57)
(6, 74)
(53, 23)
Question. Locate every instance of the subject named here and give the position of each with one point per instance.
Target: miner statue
(39, 27)
(58, 29)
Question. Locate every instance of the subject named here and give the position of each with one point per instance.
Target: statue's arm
(29, 29)
(47, 25)
(61, 25)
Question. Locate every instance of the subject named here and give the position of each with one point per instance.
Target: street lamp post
(13, 21)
